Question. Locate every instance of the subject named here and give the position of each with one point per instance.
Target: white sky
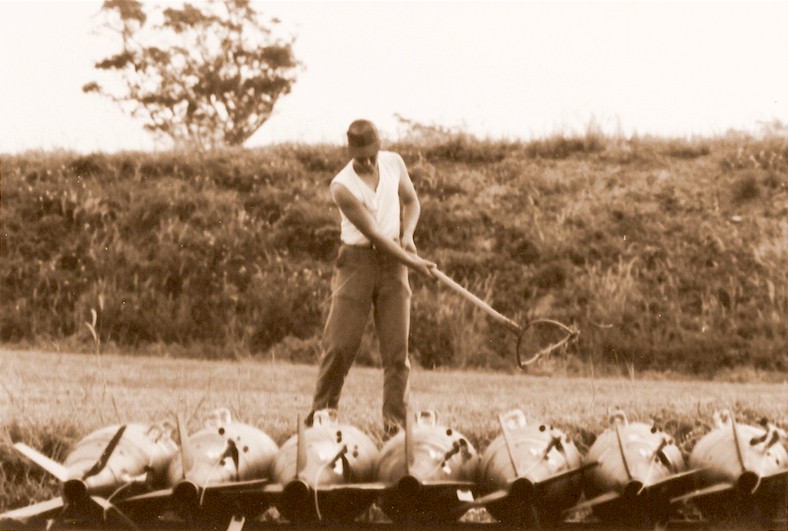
(494, 69)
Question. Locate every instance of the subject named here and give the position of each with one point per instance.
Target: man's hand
(425, 267)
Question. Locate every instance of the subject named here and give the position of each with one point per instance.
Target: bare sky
(494, 69)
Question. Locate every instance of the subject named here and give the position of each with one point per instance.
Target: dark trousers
(367, 278)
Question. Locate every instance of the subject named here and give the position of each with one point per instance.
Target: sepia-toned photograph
(384, 264)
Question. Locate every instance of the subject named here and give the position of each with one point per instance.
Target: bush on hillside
(667, 262)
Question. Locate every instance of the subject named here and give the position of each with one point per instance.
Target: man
(372, 192)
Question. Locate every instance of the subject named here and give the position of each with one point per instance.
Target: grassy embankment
(50, 400)
(666, 254)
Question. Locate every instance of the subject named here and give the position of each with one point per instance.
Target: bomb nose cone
(409, 486)
(297, 504)
(296, 491)
(748, 482)
(74, 490)
(633, 489)
(185, 497)
(523, 489)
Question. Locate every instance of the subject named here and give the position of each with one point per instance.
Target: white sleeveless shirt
(382, 203)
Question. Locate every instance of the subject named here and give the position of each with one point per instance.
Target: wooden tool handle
(502, 319)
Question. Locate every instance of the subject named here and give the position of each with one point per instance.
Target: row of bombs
(531, 475)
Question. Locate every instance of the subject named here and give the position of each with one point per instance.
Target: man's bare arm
(363, 220)
(411, 210)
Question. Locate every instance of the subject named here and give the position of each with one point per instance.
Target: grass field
(49, 400)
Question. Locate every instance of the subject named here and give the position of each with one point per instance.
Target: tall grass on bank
(665, 253)
(50, 400)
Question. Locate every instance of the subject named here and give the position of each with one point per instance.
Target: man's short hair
(362, 139)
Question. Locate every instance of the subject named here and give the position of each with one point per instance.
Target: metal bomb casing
(717, 453)
(323, 441)
(103, 468)
(218, 476)
(523, 460)
(429, 469)
(319, 468)
(639, 470)
(224, 451)
(436, 453)
(141, 455)
(751, 461)
(630, 456)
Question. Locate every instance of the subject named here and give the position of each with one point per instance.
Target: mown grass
(50, 400)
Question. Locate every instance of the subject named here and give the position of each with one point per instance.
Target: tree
(205, 77)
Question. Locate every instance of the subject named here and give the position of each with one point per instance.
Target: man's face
(367, 164)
